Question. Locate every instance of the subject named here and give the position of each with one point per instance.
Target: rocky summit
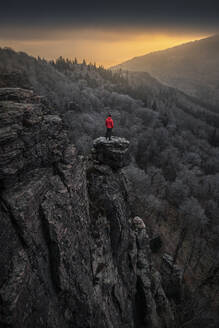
(72, 254)
(112, 152)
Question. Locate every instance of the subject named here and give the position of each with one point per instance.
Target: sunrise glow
(106, 47)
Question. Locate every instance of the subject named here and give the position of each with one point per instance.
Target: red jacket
(109, 123)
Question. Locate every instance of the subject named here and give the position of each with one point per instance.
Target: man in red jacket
(109, 127)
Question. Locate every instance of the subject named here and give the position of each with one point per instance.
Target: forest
(174, 144)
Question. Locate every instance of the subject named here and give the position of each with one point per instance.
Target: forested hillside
(192, 67)
(174, 142)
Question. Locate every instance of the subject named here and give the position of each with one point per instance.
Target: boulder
(112, 152)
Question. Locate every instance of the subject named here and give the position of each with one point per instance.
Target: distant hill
(192, 67)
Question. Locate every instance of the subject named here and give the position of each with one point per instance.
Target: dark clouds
(154, 13)
(93, 29)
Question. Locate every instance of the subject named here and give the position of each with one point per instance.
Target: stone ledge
(112, 152)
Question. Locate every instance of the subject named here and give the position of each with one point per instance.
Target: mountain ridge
(166, 49)
(192, 67)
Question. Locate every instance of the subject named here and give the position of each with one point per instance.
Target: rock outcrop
(112, 152)
(30, 136)
(172, 275)
(71, 254)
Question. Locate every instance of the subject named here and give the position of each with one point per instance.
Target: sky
(105, 32)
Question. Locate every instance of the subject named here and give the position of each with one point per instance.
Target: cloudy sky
(105, 32)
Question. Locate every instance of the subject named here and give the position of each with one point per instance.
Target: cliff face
(71, 254)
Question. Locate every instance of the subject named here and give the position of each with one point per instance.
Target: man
(109, 127)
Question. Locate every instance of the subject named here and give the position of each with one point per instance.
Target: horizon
(107, 33)
(160, 43)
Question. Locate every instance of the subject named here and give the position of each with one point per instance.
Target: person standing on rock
(109, 127)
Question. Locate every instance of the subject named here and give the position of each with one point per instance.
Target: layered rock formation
(71, 254)
(112, 152)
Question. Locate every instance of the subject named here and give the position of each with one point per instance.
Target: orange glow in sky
(105, 47)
